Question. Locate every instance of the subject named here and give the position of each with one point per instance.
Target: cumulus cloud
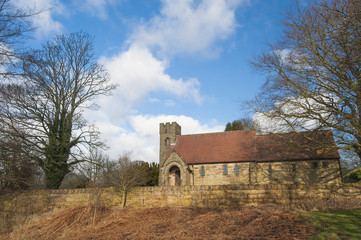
(137, 72)
(142, 136)
(300, 114)
(44, 20)
(189, 27)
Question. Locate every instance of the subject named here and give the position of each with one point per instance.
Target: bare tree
(93, 167)
(125, 175)
(17, 171)
(45, 108)
(314, 74)
(15, 24)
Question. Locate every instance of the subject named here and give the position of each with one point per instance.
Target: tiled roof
(245, 146)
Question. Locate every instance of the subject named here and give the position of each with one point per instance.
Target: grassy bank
(340, 224)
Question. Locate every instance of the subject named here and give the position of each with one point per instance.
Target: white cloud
(142, 138)
(44, 21)
(296, 115)
(189, 27)
(137, 73)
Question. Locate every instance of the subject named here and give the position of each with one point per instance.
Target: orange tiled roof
(245, 146)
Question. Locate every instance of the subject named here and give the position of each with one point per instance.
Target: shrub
(353, 176)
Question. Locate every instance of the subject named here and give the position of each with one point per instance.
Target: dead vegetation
(266, 222)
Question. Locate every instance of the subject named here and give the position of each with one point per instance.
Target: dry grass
(265, 222)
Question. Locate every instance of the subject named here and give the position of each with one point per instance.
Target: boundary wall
(37, 201)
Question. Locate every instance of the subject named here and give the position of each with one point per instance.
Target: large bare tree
(45, 108)
(314, 75)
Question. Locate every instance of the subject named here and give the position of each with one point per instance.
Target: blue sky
(173, 60)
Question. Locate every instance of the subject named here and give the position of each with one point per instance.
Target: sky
(172, 60)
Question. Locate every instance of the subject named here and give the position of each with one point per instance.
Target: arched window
(202, 171)
(167, 142)
(269, 168)
(236, 169)
(293, 167)
(314, 165)
(225, 170)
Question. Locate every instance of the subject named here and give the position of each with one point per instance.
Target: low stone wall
(237, 195)
(197, 196)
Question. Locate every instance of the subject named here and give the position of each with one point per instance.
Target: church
(244, 157)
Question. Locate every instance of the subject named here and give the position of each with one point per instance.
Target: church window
(202, 171)
(325, 164)
(269, 168)
(167, 141)
(314, 165)
(293, 167)
(225, 170)
(236, 169)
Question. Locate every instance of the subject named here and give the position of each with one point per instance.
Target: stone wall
(238, 195)
(196, 196)
(302, 172)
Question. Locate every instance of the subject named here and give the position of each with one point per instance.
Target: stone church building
(242, 157)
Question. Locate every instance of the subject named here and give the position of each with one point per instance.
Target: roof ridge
(300, 132)
(226, 132)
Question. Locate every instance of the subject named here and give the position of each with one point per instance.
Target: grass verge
(336, 224)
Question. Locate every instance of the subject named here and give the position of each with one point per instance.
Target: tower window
(167, 141)
(325, 164)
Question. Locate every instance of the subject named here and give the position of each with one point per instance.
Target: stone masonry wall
(196, 196)
(288, 172)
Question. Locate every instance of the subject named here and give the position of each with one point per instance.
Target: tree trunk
(124, 198)
(54, 174)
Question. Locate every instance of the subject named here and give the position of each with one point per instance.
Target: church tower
(168, 135)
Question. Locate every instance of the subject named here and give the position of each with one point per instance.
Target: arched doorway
(174, 176)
